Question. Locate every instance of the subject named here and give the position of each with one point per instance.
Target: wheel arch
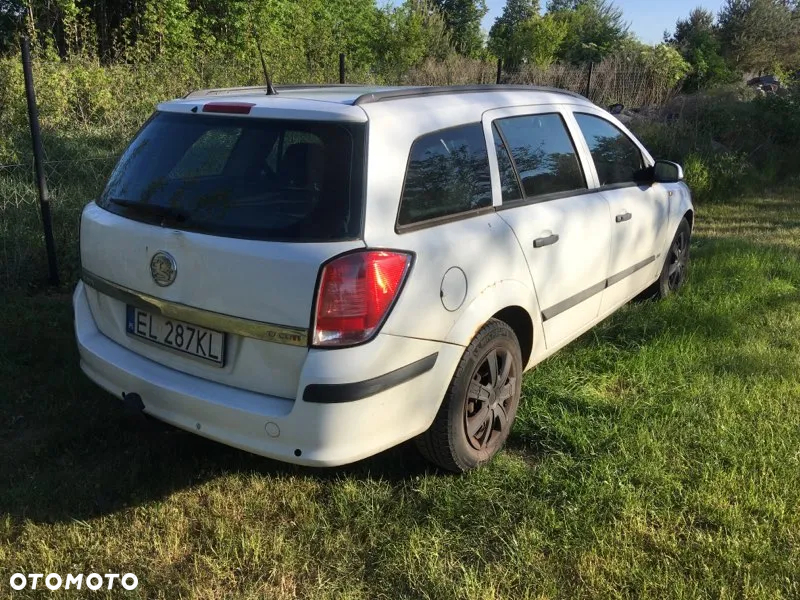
(520, 321)
(689, 216)
(510, 301)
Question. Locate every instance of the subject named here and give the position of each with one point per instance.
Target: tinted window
(508, 178)
(543, 154)
(245, 177)
(208, 155)
(448, 173)
(616, 158)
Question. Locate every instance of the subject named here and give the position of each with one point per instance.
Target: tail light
(356, 292)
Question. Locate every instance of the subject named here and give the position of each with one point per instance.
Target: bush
(730, 141)
(698, 175)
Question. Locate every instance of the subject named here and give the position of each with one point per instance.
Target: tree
(697, 41)
(407, 35)
(515, 13)
(759, 35)
(666, 62)
(595, 28)
(700, 22)
(537, 41)
(163, 28)
(559, 5)
(11, 17)
(463, 18)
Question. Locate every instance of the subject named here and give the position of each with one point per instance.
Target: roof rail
(233, 91)
(414, 92)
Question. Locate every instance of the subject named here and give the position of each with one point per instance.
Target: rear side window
(282, 180)
(616, 158)
(543, 153)
(448, 174)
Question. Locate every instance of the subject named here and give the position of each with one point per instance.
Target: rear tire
(478, 410)
(676, 263)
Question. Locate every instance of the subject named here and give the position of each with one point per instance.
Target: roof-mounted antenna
(270, 88)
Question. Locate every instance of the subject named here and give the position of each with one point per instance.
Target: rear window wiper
(155, 210)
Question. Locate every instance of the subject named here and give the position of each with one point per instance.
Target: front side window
(616, 158)
(268, 179)
(543, 154)
(448, 174)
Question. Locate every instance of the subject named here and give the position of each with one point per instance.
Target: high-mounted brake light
(356, 292)
(231, 108)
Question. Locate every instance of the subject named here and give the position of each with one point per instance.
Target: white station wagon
(320, 274)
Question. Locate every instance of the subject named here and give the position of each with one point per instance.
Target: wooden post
(38, 160)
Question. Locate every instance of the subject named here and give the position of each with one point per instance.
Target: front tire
(676, 264)
(480, 405)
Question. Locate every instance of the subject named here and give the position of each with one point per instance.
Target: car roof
(341, 93)
(360, 103)
(356, 95)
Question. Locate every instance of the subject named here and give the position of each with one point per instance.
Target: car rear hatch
(204, 250)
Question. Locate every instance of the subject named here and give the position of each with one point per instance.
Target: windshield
(243, 177)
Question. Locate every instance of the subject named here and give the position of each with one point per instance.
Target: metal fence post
(341, 67)
(589, 79)
(499, 70)
(38, 160)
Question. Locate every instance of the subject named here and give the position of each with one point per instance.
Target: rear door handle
(624, 217)
(545, 241)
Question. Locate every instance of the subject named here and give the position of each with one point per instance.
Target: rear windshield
(243, 177)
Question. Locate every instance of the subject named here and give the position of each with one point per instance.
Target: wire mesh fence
(72, 183)
(632, 83)
(69, 181)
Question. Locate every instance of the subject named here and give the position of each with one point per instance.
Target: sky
(648, 18)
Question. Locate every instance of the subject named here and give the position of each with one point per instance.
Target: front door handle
(545, 241)
(624, 217)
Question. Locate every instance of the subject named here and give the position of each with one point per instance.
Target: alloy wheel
(678, 259)
(489, 399)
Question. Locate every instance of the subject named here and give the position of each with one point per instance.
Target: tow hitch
(133, 404)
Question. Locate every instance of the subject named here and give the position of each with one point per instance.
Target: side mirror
(666, 171)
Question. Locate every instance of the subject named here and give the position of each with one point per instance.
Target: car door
(561, 225)
(638, 211)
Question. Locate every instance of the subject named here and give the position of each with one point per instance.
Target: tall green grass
(655, 457)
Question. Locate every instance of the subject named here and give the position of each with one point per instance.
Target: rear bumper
(330, 432)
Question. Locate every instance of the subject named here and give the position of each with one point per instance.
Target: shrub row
(730, 141)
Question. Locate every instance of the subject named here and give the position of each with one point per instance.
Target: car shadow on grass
(68, 453)
(122, 462)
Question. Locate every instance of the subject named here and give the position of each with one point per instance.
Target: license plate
(198, 342)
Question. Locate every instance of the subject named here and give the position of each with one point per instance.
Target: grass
(657, 456)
